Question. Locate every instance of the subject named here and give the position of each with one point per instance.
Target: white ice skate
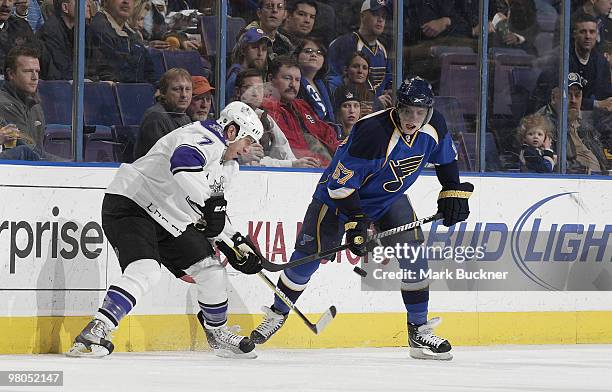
(93, 341)
(271, 323)
(425, 345)
(225, 343)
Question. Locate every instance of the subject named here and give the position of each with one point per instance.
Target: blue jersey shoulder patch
(363, 145)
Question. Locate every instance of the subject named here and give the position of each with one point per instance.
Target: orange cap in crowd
(200, 85)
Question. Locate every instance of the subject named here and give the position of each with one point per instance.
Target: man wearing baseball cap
(201, 100)
(251, 51)
(584, 150)
(365, 41)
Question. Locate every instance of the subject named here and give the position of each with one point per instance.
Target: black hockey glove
(356, 228)
(213, 216)
(243, 256)
(453, 203)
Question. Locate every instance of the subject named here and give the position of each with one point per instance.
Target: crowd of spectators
(311, 69)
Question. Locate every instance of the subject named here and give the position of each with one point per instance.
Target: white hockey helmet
(244, 117)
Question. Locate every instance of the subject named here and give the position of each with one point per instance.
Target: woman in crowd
(310, 54)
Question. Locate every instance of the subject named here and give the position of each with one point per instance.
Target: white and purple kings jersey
(381, 163)
(185, 166)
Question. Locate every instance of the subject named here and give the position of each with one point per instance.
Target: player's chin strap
(272, 267)
(317, 327)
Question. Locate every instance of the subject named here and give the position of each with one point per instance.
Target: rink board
(56, 264)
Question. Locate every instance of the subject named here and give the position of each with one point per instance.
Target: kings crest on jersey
(382, 163)
(184, 167)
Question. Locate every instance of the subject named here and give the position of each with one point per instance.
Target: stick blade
(325, 319)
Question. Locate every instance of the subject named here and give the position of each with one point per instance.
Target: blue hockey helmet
(416, 91)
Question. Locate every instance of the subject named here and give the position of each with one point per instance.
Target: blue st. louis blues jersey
(381, 163)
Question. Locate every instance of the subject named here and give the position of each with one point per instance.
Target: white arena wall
(56, 264)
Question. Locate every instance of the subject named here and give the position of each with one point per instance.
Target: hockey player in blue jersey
(365, 183)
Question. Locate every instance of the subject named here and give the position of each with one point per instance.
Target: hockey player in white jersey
(166, 209)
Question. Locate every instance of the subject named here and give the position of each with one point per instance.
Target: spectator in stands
(12, 146)
(515, 25)
(347, 13)
(29, 10)
(251, 51)
(535, 135)
(154, 25)
(356, 79)
(201, 101)
(348, 110)
(13, 31)
(273, 149)
(137, 20)
(271, 14)
(436, 23)
(310, 54)
(148, 21)
(119, 55)
(308, 135)
(301, 16)
(19, 102)
(600, 10)
(584, 149)
(366, 42)
(57, 38)
(602, 119)
(169, 113)
(586, 61)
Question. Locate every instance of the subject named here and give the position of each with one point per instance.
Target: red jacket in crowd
(286, 116)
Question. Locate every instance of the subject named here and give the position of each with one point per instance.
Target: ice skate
(93, 341)
(272, 322)
(425, 345)
(225, 343)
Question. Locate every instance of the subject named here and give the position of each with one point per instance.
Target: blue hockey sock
(117, 303)
(214, 314)
(417, 304)
(293, 281)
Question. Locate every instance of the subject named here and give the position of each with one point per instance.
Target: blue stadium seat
(58, 140)
(133, 100)
(100, 104)
(209, 30)
(437, 51)
(187, 59)
(56, 101)
(522, 83)
(467, 145)
(459, 78)
(125, 139)
(503, 64)
(100, 146)
(159, 65)
(451, 110)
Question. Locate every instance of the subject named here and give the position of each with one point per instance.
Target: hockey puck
(360, 271)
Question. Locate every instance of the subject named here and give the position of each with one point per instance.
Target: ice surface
(503, 368)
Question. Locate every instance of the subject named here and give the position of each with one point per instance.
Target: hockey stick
(323, 321)
(316, 328)
(272, 267)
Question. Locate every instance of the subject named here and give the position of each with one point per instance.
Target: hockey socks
(292, 290)
(417, 303)
(293, 281)
(137, 279)
(215, 315)
(117, 303)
